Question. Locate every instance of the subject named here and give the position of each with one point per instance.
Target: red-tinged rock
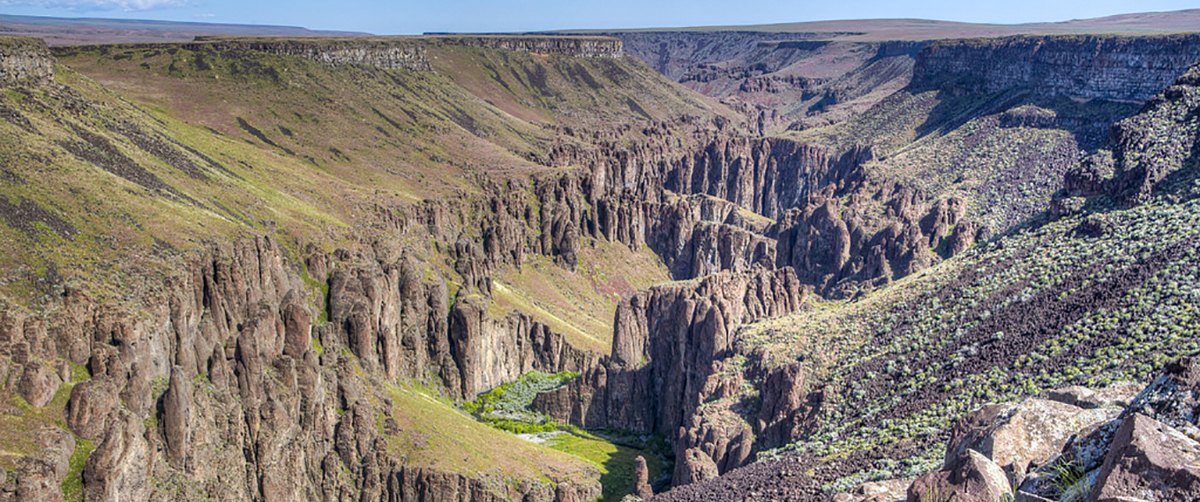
(1149, 460)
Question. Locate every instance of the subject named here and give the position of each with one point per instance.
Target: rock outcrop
(1146, 451)
(1144, 152)
(641, 479)
(395, 53)
(25, 60)
(667, 343)
(1149, 457)
(975, 478)
(574, 46)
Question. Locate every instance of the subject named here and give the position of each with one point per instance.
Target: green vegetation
(1070, 482)
(72, 486)
(507, 408)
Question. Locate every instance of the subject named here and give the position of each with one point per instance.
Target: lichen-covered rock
(1117, 395)
(1018, 436)
(1173, 398)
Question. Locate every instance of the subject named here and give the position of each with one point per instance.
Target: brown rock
(1116, 395)
(974, 479)
(297, 324)
(694, 466)
(87, 410)
(641, 477)
(177, 414)
(1149, 460)
(565, 493)
(1017, 436)
(782, 396)
(119, 468)
(38, 384)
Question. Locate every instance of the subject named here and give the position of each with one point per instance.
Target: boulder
(974, 479)
(1149, 460)
(1018, 436)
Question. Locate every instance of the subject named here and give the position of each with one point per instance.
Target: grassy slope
(301, 148)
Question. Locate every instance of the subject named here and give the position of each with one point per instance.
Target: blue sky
(407, 16)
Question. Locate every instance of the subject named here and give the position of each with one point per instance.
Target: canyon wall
(243, 386)
(1084, 66)
(669, 345)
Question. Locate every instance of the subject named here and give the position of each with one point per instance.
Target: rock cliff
(397, 53)
(575, 46)
(668, 346)
(1088, 67)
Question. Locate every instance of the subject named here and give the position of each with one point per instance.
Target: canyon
(285, 277)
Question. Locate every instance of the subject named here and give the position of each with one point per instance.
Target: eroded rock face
(783, 395)
(1157, 142)
(667, 345)
(1149, 459)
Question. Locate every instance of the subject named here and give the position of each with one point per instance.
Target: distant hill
(923, 29)
(86, 31)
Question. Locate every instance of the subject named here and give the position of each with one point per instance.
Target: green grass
(614, 461)
(72, 486)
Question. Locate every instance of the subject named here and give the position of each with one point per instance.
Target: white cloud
(125, 5)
